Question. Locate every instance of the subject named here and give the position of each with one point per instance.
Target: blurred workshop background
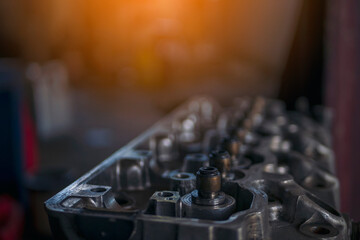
(79, 79)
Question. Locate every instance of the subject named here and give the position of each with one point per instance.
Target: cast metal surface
(252, 170)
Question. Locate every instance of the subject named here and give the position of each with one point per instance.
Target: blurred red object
(31, 161)
(11, 218)
(343, 88)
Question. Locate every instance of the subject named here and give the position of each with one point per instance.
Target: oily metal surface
(275, 181)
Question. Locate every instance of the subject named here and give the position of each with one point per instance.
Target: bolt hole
(319, 230)
(182, 176)
(238, 175)
(165, 194)
(271, 199)
(122, 201)
(98, 190)
(170, 198)
(320, 185)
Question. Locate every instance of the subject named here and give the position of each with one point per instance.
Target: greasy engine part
(248, 171)
(207, 201)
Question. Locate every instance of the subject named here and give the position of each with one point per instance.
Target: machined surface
(251, 170)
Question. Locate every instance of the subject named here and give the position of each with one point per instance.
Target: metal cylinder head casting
(165, 151)
(182, 182)
(193, 162)
(250, 170)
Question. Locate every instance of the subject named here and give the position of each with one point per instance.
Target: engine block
(252, 170)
